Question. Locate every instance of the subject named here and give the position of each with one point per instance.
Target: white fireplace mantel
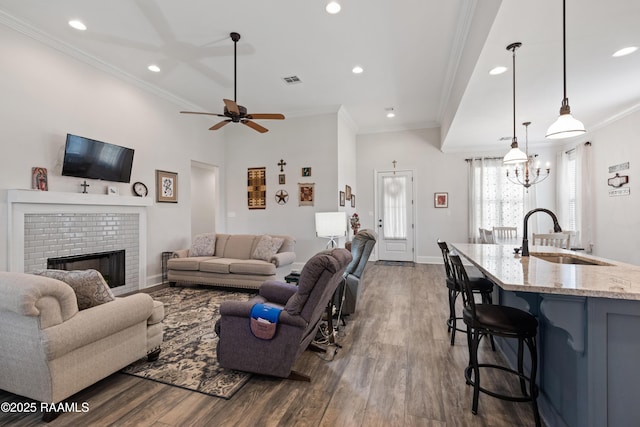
(60, 198)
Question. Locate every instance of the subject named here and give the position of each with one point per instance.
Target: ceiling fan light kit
(515, 155)
(566, 126)
(234, 112)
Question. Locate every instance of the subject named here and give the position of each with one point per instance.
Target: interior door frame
(414, 206)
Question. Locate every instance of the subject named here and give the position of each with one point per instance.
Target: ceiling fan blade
(266, 116)
(231, 106)
(219, 125)
(255, 126)
(197, 112)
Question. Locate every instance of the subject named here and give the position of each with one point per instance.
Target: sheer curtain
(575, 194)
(395, 206)
(494, 201)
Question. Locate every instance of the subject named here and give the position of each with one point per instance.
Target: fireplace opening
(109, 264)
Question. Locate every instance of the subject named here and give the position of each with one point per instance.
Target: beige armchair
(50, 350)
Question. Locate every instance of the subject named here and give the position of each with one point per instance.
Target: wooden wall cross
(282, 164)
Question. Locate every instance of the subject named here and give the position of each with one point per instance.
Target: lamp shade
(515, 156)
(331, 224)
(565, 127)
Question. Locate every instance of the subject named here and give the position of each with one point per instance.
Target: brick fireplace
(47, 225)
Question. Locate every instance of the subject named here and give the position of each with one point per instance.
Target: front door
(394, 215)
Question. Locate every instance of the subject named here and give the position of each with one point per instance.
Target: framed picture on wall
(166, 186)
(342, 198)
(441, 200)
(281, 179)
(347, 190)
(353, 200)
(305, 194)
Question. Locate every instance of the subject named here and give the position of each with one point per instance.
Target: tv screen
(88, 158)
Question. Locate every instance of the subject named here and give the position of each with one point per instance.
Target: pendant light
(566, 126)
(530, 174)
(515, 155)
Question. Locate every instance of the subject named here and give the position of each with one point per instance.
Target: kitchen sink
(567, 259)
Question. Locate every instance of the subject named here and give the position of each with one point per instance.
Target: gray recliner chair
(361, 248)
(302, 309)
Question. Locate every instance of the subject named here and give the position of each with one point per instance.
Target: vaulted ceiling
(428, 60)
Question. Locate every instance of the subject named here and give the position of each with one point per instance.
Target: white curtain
(584, 196)
(574, 194)
(494, 201)
(395, 206)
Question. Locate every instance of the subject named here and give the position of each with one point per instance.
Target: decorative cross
(84, 186)
(394, 166)
(282, 164)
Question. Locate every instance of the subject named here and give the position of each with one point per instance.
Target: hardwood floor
(396, 368)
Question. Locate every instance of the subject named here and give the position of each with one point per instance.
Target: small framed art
(39, 180)
(353, 200)
(347, 190)
(342, 198)
(166, 186)
(306, 171)
(281, 179)
(441, 200)
(305, 194)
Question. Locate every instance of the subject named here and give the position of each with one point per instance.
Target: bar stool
(503, 321)
(479, 285)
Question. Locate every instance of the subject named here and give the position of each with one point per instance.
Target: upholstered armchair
(297, 324)
(361, 248)
(52, 346)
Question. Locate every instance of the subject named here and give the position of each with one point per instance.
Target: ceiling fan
(237, 113)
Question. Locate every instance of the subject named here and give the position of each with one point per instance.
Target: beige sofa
(233, 264)
(50, 350)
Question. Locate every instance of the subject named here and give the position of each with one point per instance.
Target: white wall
(434, 172)
(47, 94)
(346, 164)
(300, 142)
(617, 223)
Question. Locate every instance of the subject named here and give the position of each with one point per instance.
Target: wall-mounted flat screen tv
(88, 158)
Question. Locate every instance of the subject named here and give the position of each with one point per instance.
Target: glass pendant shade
(565, 127)
(515, 156)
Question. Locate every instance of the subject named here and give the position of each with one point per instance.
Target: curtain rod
(574, 149)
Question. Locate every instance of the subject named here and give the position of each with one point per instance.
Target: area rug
(188, 358)
(397, 263)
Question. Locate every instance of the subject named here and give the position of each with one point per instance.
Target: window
(570, 189)
(495, 201)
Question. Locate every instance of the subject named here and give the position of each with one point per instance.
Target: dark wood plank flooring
(396, 368)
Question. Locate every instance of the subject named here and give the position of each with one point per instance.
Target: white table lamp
(331, 225)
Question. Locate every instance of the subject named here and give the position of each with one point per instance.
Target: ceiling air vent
(292, 80)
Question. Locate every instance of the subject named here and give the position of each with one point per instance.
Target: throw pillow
(90, 287)
(267, 247)
(203, 245)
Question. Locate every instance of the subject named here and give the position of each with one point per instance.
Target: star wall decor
(282, 197)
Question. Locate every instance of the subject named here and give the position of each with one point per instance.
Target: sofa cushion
(191, 264)
(267, 247)
(203, 245)
(90, 287)
(216, 265)
(252, 266)
(239, 246)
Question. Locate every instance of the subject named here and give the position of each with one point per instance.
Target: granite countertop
(609, 279)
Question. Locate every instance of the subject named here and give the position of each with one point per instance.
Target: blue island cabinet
(589, 349)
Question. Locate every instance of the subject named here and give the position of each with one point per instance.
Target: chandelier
(526, 174)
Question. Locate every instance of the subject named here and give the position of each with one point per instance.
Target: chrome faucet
(525, 239)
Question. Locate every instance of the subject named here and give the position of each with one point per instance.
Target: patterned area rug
(396, 263)
(188, 358)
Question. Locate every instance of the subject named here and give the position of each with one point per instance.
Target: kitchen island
(589, 334)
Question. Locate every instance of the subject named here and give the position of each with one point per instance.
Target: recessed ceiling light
(333, 7)
(78, 25)
(390, 113)
(154, 68)
(497, 70)
(357, 69)
(625, 51)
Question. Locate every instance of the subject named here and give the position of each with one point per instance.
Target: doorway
(204, 197)
(394, 215)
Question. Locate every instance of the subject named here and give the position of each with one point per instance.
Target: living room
(50, 90)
